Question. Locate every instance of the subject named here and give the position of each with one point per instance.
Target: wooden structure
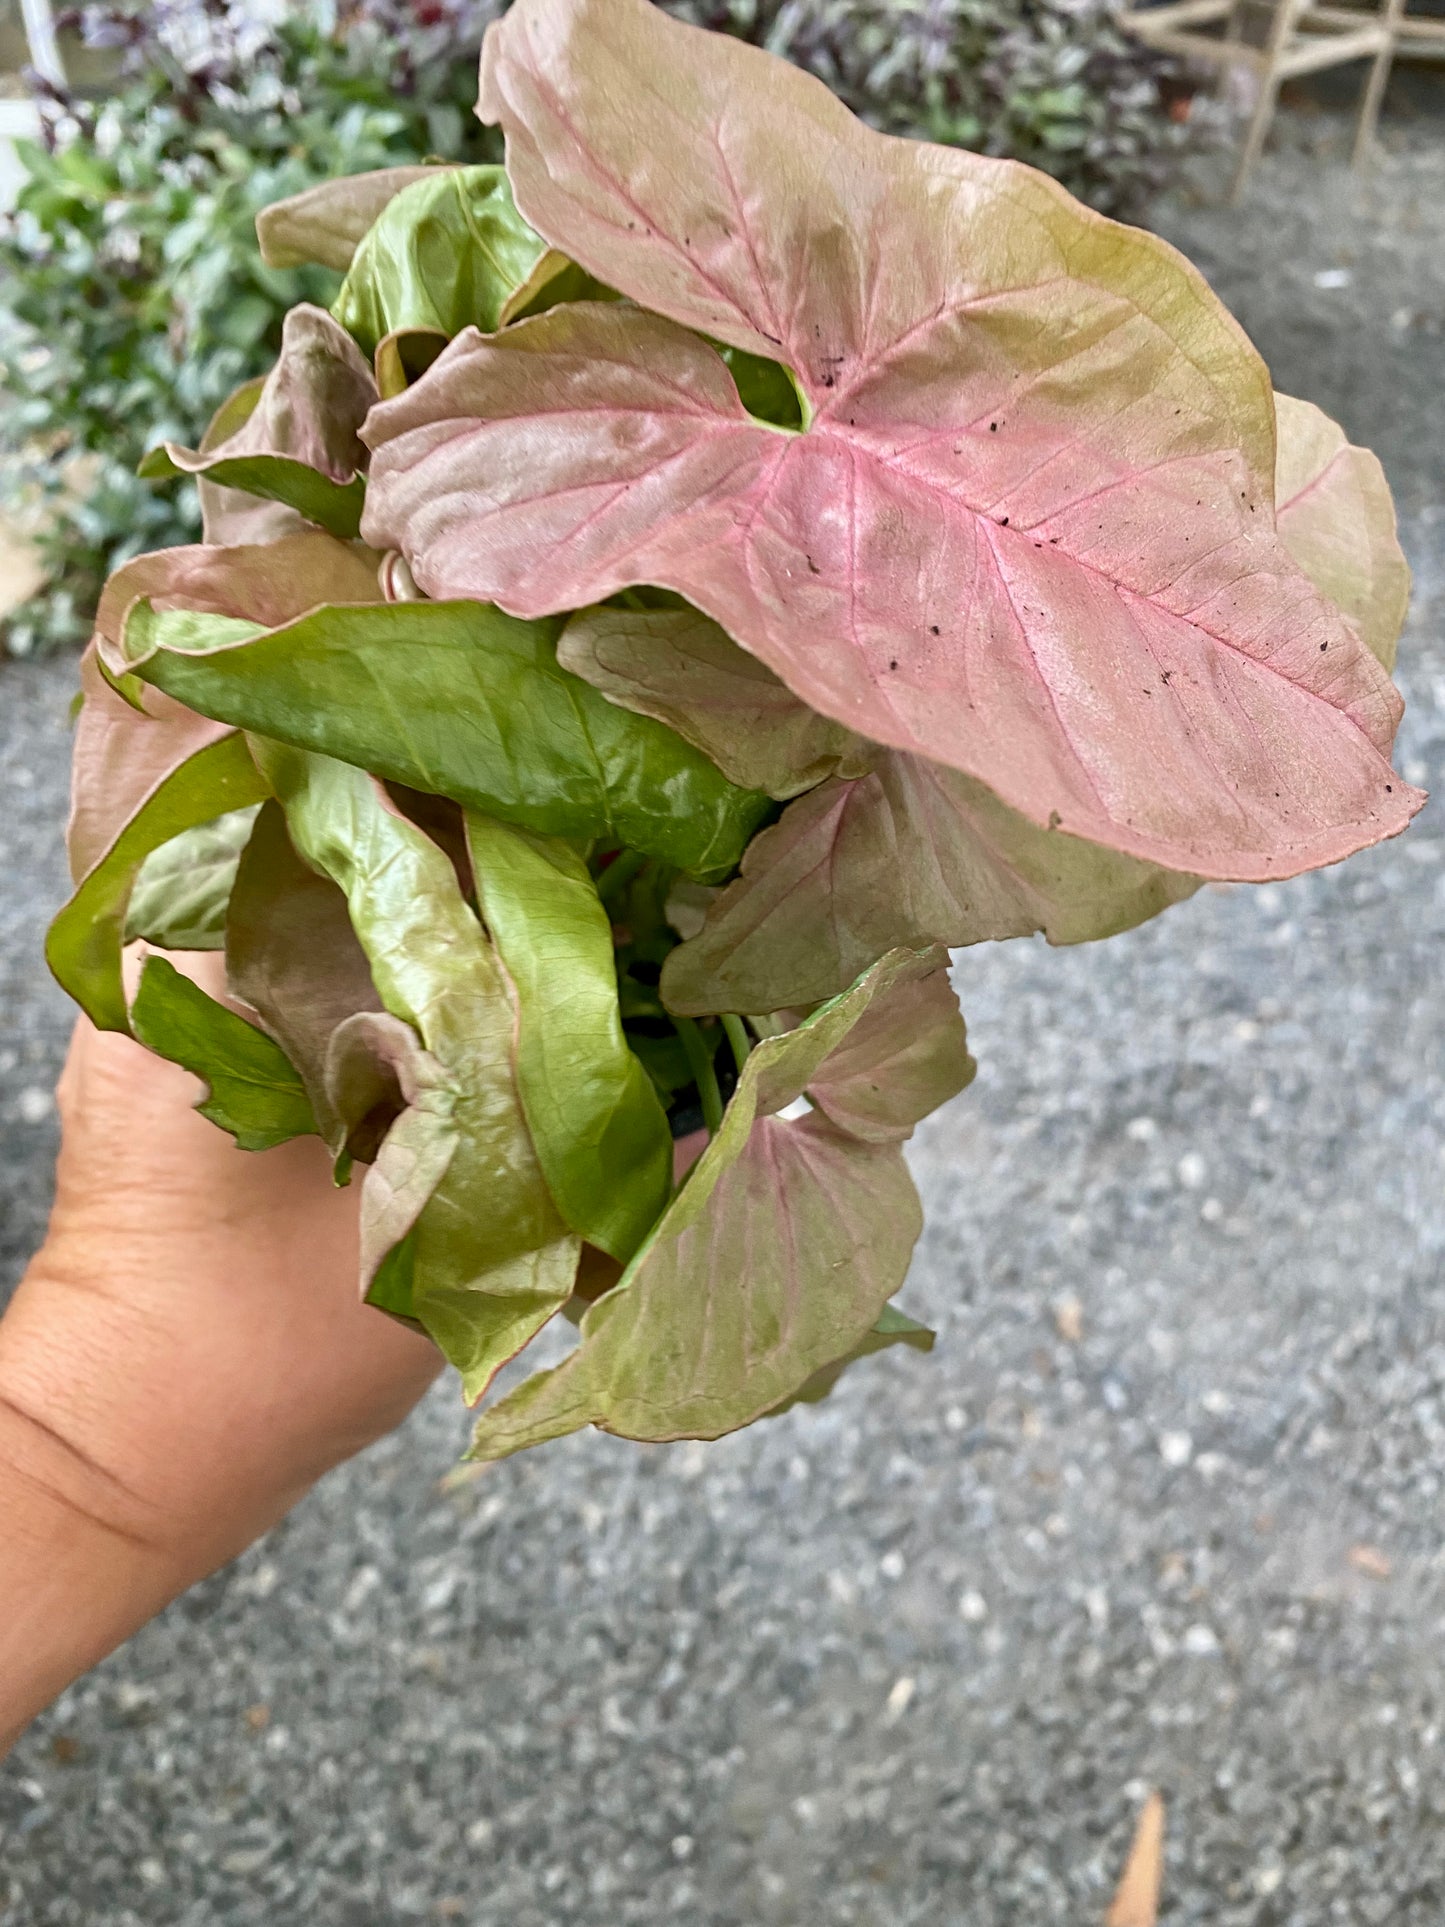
(40, 33)
(1278, 40)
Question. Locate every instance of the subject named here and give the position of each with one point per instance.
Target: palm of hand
(190, 1337)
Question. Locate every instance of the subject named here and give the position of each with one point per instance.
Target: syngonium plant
(690, 578)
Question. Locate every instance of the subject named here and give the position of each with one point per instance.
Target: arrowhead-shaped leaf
(783, 1247)
(460, 700)
(457, 1177)
(1028, 528)
(1337, 520)
(918, 853)
(912, 854)
(252, 1090)
(601, 1134)
(325, 224)
(448, 252)
(298, 443)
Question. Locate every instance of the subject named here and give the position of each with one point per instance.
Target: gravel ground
(1162, 1508)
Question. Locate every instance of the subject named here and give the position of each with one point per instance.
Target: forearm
(121, 1480)
(186, 1355)
(129, 1468)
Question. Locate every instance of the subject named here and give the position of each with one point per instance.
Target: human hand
(186, 1355)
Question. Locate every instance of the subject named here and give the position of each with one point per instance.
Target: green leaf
(778, 1256)
(686, 671)
(83, 948)
(180, 897)
(493, 1260)
(448, 252)
(132, 744)
(391, 1289)
(461, 700)
(601, 1135)
(252, 1090)
(333, 506)
(894, 1327)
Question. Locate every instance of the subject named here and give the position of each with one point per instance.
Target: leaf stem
(619, 873)
(699, 1061)
(738, 1037)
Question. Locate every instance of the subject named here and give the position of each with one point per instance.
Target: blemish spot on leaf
(933, 628)
(1054, 819)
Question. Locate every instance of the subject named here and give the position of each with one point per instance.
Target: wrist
(83, 1562)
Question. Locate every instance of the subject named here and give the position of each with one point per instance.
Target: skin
(184, 1358)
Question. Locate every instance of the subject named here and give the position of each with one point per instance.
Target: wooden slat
(1178, 13)
(1198, 46)
(1329, 50)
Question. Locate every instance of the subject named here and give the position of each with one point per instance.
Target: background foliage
(132, 298)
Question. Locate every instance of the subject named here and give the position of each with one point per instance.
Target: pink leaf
(910, 854)
(1028, 529)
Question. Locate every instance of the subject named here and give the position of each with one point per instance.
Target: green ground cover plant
(693, 575)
